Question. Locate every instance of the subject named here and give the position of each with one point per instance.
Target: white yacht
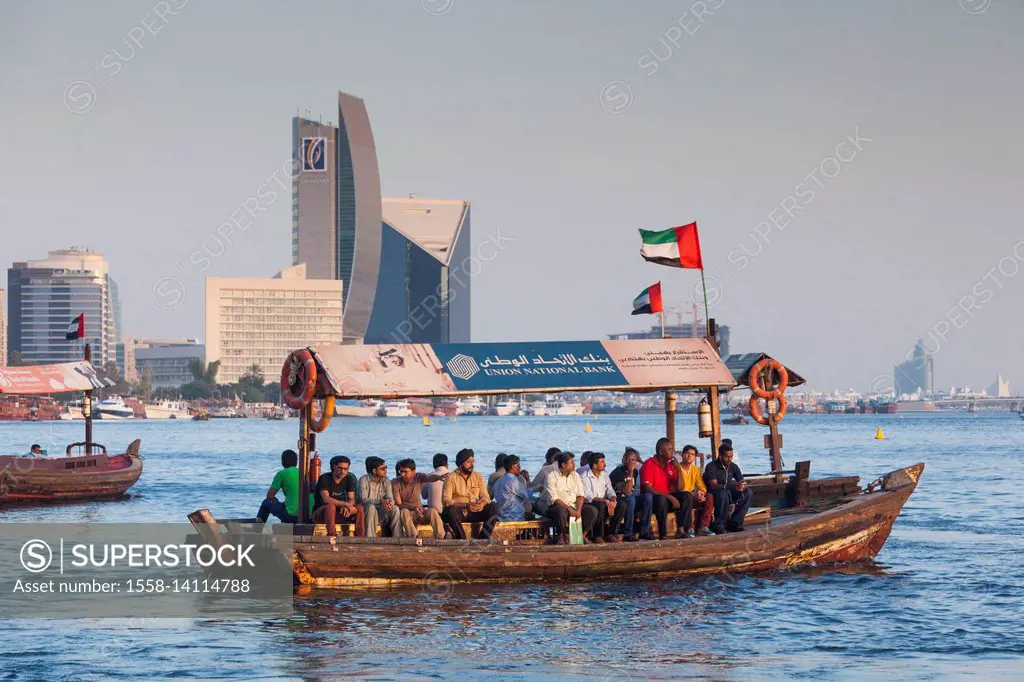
(167, 409)
(71, 411)
(538, 408)
(564, 409)
(470, 406)
(506, 407)
(395, 408)
(114, 408)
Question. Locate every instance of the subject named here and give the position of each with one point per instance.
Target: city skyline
(565, 150)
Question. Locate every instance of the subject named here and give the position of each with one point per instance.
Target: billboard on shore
(406, 370)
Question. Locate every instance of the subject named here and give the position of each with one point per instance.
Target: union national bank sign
(484, 366)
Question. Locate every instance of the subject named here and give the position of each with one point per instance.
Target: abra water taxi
(798, 521)
(88, 473)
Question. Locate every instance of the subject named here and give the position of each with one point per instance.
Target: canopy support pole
(305, 445)
(670, 416)
(716, 415)
(87, 406)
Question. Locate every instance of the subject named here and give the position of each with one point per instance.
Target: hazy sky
(569, 125)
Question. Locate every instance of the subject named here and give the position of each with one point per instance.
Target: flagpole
(661, 315)
(707, 313)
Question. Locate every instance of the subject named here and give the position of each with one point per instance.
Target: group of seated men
(610, 507)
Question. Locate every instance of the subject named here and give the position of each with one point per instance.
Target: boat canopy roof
(452, 369)
(66, 377)
(741, 364)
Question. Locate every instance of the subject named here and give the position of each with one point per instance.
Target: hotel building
(45, 295)
(261, 321)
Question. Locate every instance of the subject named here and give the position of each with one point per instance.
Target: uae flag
(76, 329)
(649, 301)
(677, 246)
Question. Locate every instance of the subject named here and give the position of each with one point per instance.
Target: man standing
(549, 465)
(626, 481)
(432, 492)
(599, 494)
(466, 499)
(335, 500)
(407, 492)
(378, 500)
(510, 494)
(499, 471)
(287, 481)
(725, 483)
(562, 499)
(691, 481)
(659, 477)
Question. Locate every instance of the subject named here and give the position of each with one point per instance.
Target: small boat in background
(114, 408)
(395, 408)
(87, 474)
(167, 409)
(355, 408)
(505, 408)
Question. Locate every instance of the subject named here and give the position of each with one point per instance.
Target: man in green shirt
(287, 481)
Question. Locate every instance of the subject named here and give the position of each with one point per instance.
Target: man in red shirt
(660, 477)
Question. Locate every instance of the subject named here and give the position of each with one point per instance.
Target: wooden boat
(91, 474)
(96, 476)
(800, 522)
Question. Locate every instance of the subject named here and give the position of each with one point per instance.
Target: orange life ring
(756, 378)
(299, 372)
(320, 425)
(755, 409)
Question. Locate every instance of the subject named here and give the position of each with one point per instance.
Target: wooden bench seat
(534, 532)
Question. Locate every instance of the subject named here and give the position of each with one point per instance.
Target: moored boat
(114, 408)
(167, 409)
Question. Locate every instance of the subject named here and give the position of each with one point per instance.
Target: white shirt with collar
(564, 488)
(597, 487)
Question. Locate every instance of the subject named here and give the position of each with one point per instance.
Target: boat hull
(43, 480)
(854, 530)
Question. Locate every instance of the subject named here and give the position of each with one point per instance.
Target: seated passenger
(287, 481)
(562, 499)
(407, 489)
(466, 499)
(510, 494)
(659, 477)
(599, 494)
(549, 465)
(584, 463)
(35, 451)
(499, 471)
(378, 499)
(335, 499)
(725, 482)
(691, 481)
(626, 481)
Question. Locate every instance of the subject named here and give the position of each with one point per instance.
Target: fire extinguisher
(314, 469)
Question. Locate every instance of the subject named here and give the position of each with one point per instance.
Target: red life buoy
(755, 409)
(298, 379)
(320, 425)
(756, 380)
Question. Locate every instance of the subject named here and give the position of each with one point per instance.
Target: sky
(854, 168)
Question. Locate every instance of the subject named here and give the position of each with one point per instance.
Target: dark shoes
(734, 529)
(631, 538)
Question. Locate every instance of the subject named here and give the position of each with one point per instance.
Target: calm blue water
(944, 598)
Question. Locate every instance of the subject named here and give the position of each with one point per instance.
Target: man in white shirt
(431, 492)
(599, 494)
(562, 499)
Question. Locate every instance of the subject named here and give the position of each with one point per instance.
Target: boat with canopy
(798, 521)
(87, 471)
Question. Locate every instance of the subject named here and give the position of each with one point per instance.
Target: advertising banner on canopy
(67, 377)
(387, 370)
